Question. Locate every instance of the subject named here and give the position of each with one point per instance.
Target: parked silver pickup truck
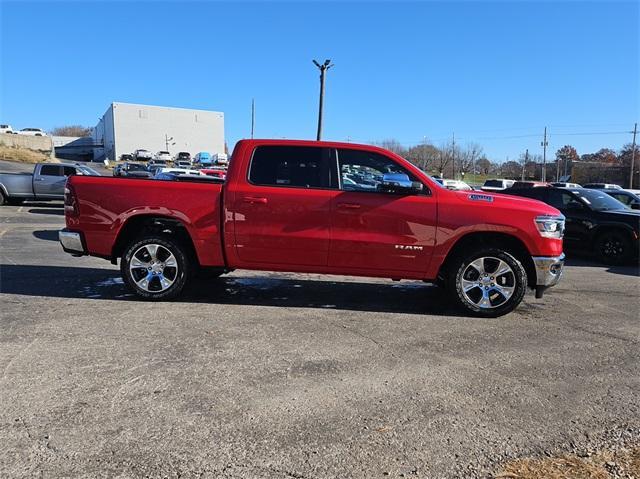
(45, 183)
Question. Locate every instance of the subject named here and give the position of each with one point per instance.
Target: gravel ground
(287, 375)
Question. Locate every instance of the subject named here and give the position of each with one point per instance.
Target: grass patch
(23, 155)
(623, 463)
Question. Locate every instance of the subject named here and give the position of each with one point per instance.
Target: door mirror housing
(399, 183)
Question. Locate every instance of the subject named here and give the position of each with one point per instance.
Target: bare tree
(423, 156)
(71, 130)
(393, 145)
(466, 158)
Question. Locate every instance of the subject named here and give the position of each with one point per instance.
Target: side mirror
(575, 206)
(635, 206)
(399, 183)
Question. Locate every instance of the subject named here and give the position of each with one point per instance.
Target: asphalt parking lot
(288, 375)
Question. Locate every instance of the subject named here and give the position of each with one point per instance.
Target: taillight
(70, 201)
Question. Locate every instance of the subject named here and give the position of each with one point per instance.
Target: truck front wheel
(156, 267)
(487, 282)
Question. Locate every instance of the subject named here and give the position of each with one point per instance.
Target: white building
(126, 127)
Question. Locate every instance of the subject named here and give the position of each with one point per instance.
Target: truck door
(281, 214)
(376, 230)
(49, 181)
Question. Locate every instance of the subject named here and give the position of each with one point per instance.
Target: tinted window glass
(69, 170)
(560, 199)
(363, 170)
(50, 170)
(299, 166)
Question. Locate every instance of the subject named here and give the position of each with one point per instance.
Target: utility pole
(526, 160)
(166, 142)
(323, 68)
(633, 154)
(253, 115)
(544, 145)
(453, 154)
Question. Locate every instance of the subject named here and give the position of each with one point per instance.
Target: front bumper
(72, 242)
(548, 272)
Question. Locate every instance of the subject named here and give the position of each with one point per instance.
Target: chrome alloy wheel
(487, 282)
(153, 268)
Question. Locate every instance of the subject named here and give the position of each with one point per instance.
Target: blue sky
(495, 73)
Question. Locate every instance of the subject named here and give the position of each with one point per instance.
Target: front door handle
(254, 200)
(38, 179)
(349, 206)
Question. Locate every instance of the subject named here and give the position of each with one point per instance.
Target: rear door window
(50, 170)
(293, 166)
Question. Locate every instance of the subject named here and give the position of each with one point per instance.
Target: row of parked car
(159, 170)
(25, 131)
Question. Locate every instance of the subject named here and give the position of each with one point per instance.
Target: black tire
(487, 295)
(614, 247)
(162, 269)
(3, 198)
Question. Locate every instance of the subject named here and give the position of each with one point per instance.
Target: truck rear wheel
(156, 267)
(487, 282)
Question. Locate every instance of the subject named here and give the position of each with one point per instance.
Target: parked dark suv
(595, 222)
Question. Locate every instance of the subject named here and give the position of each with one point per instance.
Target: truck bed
(108, 204)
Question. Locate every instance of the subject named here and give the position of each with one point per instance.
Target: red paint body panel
(106, 204)
(330, 231)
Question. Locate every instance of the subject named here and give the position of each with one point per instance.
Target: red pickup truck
(317, 207)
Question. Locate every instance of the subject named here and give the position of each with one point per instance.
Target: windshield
(136, 167)
(497, 183)
(598, 200)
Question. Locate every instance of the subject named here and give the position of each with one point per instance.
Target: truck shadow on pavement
(586, 261)
(46, 235)
(47, 211)
(409, 297)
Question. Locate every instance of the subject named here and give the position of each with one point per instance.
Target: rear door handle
(255, 201)
(349, 206)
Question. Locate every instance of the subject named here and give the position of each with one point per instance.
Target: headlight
(550, 226)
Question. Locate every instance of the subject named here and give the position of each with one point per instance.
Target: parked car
(182, 156)
(203, 158)
(220, 159)
(562, 184)
(215, 172)
(602, 186)
(126, 157)
(32, 132)
(163, 156)
(45, 183)
(497, 185)
(180, 171)
(595, 222)
(132, 169)
(456, 185)
(155, 163)
(529, 184)
(627, 198)
(182, 164)
(6, 129)
(280, 191)
(142, 155)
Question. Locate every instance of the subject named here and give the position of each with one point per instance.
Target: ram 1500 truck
(318, 207)
(45, 183)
